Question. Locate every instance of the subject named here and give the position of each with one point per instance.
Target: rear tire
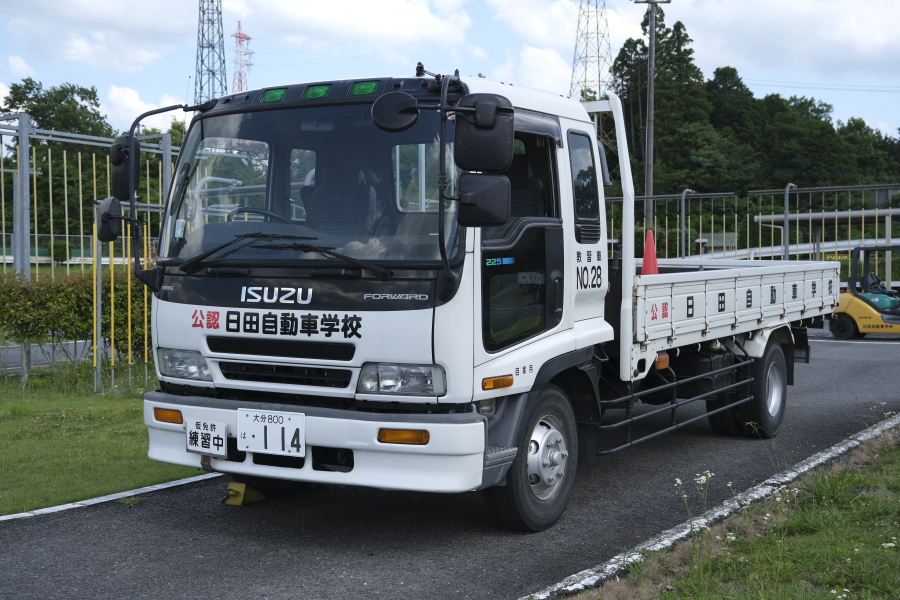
(273, 488)
(762, 416)
(540, 480)
(844, 328)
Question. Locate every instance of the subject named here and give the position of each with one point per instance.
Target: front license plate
(207, 437)
(268, 432)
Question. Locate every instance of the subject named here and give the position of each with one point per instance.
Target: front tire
(763, 415)
(844, 328)
(540, 480)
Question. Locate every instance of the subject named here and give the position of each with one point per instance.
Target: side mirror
(118, 168)
(484, 138)
(110, 216)
(395, 112)
(484, 200)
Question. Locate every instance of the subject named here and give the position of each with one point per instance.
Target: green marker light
(273, 95)
(363, 88)
(314, 92)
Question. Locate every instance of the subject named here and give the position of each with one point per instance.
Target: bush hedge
(52, 311)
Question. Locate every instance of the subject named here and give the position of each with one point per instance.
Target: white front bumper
(452, 461)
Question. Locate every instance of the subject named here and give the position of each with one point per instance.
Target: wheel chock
(240, 494)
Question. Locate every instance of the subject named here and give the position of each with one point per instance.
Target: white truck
(406, 283)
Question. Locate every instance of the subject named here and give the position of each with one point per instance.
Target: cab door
(522, 270)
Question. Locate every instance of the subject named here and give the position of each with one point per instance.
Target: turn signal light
(167, 415)
(662, 361)
(416, 437)
(495, 383)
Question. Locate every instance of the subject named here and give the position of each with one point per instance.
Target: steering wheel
(257, 211)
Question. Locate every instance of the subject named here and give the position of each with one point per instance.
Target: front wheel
(542, 476)
(843, 328)
(763, 415)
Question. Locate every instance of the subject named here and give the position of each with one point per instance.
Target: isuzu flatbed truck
(405, 283)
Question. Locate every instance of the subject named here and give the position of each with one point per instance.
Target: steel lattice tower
(210, 81)
(591, 64)
(242, 64)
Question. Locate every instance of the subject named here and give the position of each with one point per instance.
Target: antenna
(209, 81)
(591, 63)
(242, 64)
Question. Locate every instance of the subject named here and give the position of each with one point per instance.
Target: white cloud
(540, 22)
(125, 105)
(4, 91)
(19, 68)
(540, 68)
(104, 34)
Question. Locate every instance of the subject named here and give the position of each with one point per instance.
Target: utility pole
(651, 79)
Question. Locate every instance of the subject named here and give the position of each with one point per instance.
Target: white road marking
(110, 497)
(618, 565)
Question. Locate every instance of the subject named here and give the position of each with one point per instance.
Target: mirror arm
(150, 278)
(451, 281)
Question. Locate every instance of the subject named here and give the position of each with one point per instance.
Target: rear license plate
(268, 432)
(206, 437)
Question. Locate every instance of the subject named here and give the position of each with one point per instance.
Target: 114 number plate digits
(269, 432)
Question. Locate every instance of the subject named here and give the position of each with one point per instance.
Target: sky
(141, 55)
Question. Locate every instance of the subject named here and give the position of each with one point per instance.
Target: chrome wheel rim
(548, 456)
(774, 389)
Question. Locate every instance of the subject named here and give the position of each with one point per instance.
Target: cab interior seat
(344, 203)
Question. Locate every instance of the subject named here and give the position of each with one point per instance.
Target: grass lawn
(832, 534)
(59, 443)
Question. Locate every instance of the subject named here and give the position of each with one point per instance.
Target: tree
(67, 107)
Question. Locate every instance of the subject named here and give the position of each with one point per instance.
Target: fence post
(98, 304)
(21, 246)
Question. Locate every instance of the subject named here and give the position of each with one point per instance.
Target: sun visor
(528, 121)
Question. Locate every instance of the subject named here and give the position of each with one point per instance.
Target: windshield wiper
(192, 264)
(377, 269)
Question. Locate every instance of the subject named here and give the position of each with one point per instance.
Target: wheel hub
(547, 457)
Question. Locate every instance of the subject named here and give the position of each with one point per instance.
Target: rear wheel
(843, 328)
(726, 422)
(542, 476)
(273, 488)
(763, 415)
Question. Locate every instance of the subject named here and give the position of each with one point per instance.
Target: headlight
(411, 380)
(184, 364)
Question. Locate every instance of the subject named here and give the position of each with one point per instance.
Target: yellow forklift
(875, 309)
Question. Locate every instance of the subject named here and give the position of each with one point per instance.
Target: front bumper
(452, 461)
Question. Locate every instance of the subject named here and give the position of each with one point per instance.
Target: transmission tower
(591, 78)
(210, 81)
(242, 64)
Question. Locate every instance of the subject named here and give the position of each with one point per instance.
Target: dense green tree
(67, 107)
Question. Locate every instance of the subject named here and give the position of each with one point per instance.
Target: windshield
(324, 175)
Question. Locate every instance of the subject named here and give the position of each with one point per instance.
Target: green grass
(829, 535)
(60, 443)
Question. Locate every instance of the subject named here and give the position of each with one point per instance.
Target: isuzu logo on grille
(272, 295)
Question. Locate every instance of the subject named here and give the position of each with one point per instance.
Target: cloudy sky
(140, 55)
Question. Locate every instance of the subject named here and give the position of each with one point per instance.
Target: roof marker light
(273, 95)
(314, 92)
(363, 88)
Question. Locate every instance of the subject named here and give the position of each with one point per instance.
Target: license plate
(207, 437)
(268, 432)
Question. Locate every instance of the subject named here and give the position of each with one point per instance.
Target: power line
(827, 86)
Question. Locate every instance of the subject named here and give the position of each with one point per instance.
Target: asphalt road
(343, 542)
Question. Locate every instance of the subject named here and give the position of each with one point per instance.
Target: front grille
(286, 374)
